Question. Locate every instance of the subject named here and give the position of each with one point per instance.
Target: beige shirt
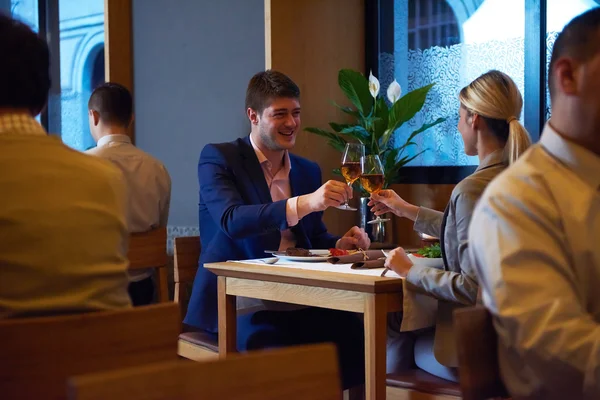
(148, 183)
(535, 244)
(63, 236)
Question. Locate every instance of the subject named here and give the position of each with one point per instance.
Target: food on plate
(338, 252)
(433, 251)
(297, 252)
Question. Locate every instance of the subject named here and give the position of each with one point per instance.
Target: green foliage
(433, 251)
(375, 122)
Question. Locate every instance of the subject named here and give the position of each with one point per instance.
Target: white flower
(373, 85)
(394, 92)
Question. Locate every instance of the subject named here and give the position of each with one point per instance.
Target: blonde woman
(490, 108)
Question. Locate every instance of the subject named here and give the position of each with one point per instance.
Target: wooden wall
(118, 49)
(311, 40)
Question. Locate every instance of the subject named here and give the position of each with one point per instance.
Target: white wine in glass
(372, 179)
(351, 169)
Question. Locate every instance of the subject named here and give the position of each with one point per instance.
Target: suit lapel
(297, 181)
(295, 178)
(254, 170)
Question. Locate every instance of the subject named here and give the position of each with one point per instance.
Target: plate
(319, 255)
(427, 262)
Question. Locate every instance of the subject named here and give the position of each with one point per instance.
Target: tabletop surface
(310, 274)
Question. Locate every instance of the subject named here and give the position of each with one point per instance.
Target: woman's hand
(387, 200)
(398, 261)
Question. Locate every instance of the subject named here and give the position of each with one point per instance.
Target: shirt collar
(20, 124)
(262, 159)
(113, 139)
(494, 158)
(580, 160)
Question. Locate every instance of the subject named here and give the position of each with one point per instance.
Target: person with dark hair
(63, 235)
(255, 195)
(110, 111)
(534, 236)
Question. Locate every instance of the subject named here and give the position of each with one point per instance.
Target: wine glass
(371, 179)
(351, 167)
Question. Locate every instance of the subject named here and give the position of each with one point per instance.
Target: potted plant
(375, 120)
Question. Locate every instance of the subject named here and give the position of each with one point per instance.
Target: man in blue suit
(255, 195)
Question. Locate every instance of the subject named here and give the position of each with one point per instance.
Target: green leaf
(406, 159)
(433, 251)
(424, 127)
(338, 145)
(356, 88)
(407, 106)
(356, 131)
(339, 127)
(321, 132)
(382, 113)
(347, 110)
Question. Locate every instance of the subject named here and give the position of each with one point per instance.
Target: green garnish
(433, 251)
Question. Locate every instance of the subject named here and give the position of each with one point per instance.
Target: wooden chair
(149, 250)
(477, 345)
(38, 354)
(416, 384)
(305, 372)
(195, 346)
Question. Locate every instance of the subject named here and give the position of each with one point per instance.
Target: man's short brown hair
(113, 102)
(268, 85)
(580, 40)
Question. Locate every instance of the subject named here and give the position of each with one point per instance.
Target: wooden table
(373, 296)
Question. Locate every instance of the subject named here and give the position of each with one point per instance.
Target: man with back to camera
(535, 236)
(110, 111)
(255, 195)
(63, 232)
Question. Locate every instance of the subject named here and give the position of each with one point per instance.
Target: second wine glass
(372, 179)
(351, 167)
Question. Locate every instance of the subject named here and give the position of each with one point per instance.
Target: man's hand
(355, 238)
(331, 194)
(398, 261)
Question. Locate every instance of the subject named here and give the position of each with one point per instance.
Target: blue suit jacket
(238, 219)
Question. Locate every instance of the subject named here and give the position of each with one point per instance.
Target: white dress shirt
(148, 184)
(535, 243)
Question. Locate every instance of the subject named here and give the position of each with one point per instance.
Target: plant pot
(380, 233)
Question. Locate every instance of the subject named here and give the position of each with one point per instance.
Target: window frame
(379, 37)
(117, 46)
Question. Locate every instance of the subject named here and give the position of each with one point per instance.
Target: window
(26, 11)
(559, 13)
(431, 23)
(77, 61)
(451, 42)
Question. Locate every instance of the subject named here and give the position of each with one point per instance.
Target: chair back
(187, 254)
(305, 372)
(149, 250)
(477, 347)
(37, 355)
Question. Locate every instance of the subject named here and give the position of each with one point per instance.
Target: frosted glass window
(451, 43)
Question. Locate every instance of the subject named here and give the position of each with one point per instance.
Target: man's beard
(268, 141)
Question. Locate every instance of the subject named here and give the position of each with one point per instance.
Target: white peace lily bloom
(394, 92)
(373, 85)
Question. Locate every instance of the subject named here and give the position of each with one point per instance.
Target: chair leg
(163, 285)
(355, 393)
